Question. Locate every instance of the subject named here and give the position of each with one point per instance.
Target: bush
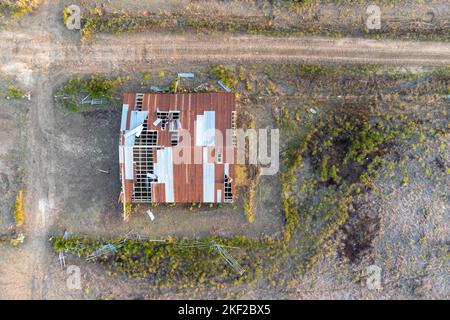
(66, 15)
(248, 206)
(71, 94)
(18, 209)
(184, 263)
(224, 74)
(15, 93)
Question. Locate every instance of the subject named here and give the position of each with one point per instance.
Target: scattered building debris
(223, 253)
(177, 82)
(151, 215)
(155, 89)
(223, 85)
(14, 238)
(26, 96)
(113, 247)
(228, 258)
(62, 259)
(94, 101)
(108, 248)
(186, 75)
(201, 86)
(66, 234)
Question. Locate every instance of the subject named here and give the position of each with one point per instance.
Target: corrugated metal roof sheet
(164, 172)
(137, 118)
(128, 152)
(201, 181)
(205, 129)
(123, 122)
(208, 178)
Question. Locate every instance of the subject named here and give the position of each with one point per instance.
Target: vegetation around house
(77, 90)
(224, 74)
(184, 263)
(332, 153)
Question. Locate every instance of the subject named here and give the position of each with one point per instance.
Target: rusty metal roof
(200, 180)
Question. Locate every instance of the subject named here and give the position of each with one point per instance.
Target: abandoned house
(177, 148)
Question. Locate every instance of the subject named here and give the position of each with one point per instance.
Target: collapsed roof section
(177, 148)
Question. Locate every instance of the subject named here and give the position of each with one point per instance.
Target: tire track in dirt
(145, 49)
(27, 272)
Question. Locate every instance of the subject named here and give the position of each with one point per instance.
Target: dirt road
(107, 52)
(44, 46)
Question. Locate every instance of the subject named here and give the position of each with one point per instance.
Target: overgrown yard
(401, 19)
(89, 187)
(346, 159)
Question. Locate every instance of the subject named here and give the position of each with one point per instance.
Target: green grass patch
(71, 95)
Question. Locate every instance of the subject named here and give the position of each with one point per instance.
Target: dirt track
(45, 46)
(144, 49)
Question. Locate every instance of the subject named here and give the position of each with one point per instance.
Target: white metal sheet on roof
(199, 130)
(128, 152)
(123, 122)
(164, 171)
(130, 135)
(137, 118)
(121, 158)
(205, 125)
(219, 195)
(136, 126)
(157, 121)
(185, 75)
(208, 178)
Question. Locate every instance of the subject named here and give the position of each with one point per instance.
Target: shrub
(15, 93)
(224, 74)
(248, 205)
(66, 15)
(18, 209)
(184, 263)
(70, 95)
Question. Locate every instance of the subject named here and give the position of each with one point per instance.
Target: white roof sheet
(128, 152)
(123, 122)
(137, 118)
(208, 178)
(205, 129)
(164, 171)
